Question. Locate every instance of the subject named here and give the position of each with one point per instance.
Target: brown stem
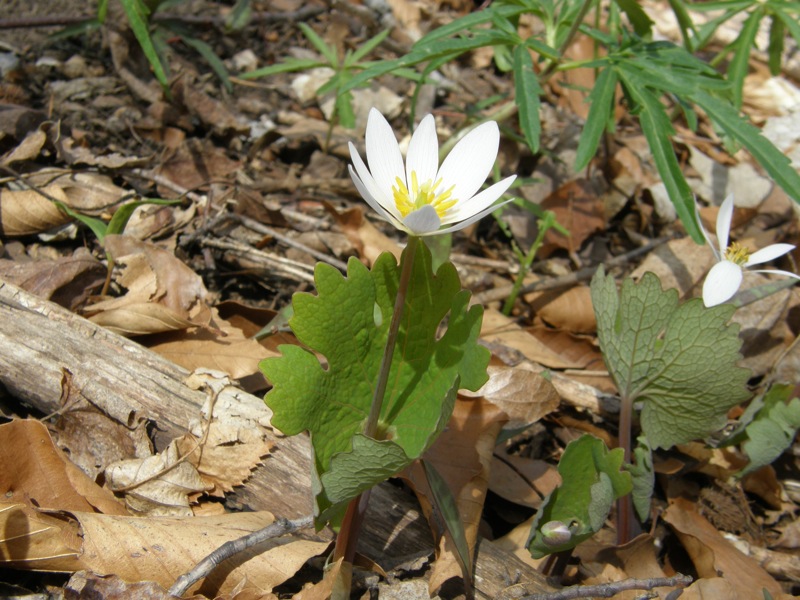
(624, 506)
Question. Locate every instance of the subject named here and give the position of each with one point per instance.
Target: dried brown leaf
(579, 208)
(569, 309)
(66, 281)
(33, 539)
(523, 481)
(368, 241)
(714, 556)
(26, 212)
(33, 469)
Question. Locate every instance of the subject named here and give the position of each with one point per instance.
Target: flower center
(737, 254)
(407, 201)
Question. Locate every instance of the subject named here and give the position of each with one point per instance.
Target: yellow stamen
(407, 201)
(737, 254)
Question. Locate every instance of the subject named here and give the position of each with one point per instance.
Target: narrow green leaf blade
(446, 504)
(601, 105)
(740, 64)
(768, 156)
(527, 93)
(138, 14)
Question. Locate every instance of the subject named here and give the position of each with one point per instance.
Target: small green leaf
(740, 63)
(328, 52)
(98, 227)
(290, 65)
(642, 24)
(773, 429)
(368, 47)
(678, 359)
(239, 17)
(592, 480)
(527, 93)
(138, 16)
(332, 402)
(601, 106)
(777, 37)
(216, 64)
(657, 129)
(644, 478)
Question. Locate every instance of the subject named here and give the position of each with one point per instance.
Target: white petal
(423, 221)
(721, 284)
(768, 253)
(724, 217)
(368, 182)
(777, 272)
(478, 203)
(362, 189)
(711, 245)
(472, 219)
(423, 152)
(383, 153)
(471, 161)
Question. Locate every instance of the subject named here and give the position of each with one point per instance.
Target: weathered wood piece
(42, 345)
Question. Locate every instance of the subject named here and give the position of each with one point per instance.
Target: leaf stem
(406, 262)
(354, 517)
(624, 507)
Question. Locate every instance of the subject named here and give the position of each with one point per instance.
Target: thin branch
(229, 549)
(607, 590)
(570, 279)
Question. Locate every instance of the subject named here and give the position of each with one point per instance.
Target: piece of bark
(45, 348)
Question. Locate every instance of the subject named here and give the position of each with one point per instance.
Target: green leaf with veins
(592, 480)
(773, 429)
(347, 323)
(678, 359)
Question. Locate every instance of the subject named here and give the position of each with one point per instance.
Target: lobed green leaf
(679, 360)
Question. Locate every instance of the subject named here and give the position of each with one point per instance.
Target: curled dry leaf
(66, 281)
(158, 485)
(570, 309)
(237, 436)
(163, 293)
(524, 481)
(33, 469)
(36, 540)
(86, 192)
(27, 212)
(365, 237)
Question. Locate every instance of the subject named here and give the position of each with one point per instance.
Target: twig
(607, 590)
(570, 279)
(289, 267)
(233, 547)
(265, 230)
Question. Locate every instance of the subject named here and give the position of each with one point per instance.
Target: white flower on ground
(725, 277)
(420, 197)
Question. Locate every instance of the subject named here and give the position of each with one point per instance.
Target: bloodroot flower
(725, 277)
(420, 197)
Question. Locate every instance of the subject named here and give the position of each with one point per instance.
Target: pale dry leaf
(226, 349)
(27, 149)
(84, 584)
(33, 539)
(579, 208)
(33, 469)
(523, 395)
(75, 154)
(159, 485)
(26, 212)
(140, 319)
(569, 309)
(365, 237)
(501, 330)
(162, 549)
(516, 542)
(86, 192)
